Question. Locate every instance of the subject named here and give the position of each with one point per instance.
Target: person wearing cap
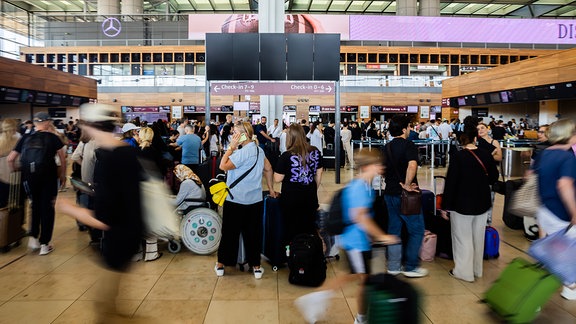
(41, 186)
(117, 203)
(130, 134)
(356, 239)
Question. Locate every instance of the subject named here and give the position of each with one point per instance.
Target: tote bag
(557, 252)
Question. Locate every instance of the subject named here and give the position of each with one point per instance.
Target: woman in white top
(315, 135)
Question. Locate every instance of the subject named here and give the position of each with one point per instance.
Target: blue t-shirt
(553, 165)
(249, 190)
(358, 194)
(191, 144)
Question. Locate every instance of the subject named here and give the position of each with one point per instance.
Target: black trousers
(43, 194)
(245, 219)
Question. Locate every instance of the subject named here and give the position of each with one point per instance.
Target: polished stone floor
(182, 287)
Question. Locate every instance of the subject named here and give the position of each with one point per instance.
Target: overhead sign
(271, 88)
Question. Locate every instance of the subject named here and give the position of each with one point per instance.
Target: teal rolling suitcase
(520, 291)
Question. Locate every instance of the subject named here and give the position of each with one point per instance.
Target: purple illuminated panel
(270, 88)
(473, 30)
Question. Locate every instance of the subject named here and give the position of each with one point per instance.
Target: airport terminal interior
(182, 287)
(506, 59)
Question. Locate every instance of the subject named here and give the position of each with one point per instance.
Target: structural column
(108, 8)
(133, 8)
(548, 112)
(430, 8)
(271, 20)
(406, 8)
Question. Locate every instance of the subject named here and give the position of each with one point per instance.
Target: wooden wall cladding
(16, 74)
(549, 69)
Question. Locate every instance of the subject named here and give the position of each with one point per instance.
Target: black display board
(300, 56)
(327, 57)
(219, 65)
(273, 56)
(245, 53)
(251, 56)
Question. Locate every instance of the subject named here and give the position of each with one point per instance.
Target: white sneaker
(416, 273)
(219, 271)
(568, 293)
(33, 243)
(45, 249)
(361, 319)
(313, 306)
(394, 272)
(258, 273)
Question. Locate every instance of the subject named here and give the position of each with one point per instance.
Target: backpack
(334, 223)
(34, 158)
(306, 261)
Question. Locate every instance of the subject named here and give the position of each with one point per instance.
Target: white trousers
(348, 152)
(468, 244)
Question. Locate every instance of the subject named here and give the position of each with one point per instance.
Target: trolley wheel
(201, 230)
(275, 268)
(337, 256)
(174, 246)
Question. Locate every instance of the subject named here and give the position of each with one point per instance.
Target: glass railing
(200, 80)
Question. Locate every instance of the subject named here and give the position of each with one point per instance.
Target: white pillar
(108, 8)
(133, 8)
(548, 111)
(271, 20)
(430, 8)
(406, 8)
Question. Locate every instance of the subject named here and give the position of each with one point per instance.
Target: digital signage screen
(481, 99)
(12, 94)
(495, 97)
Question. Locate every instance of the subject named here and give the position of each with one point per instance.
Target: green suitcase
(520, 291)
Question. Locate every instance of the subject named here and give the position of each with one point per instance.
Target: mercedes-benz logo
(111, 27)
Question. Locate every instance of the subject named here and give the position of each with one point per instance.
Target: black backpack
(334, 223)
(34, 159)
(306, 261)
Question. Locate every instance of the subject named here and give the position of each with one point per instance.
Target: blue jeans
(415, 227)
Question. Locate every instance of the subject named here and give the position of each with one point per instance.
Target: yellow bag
(219, 192)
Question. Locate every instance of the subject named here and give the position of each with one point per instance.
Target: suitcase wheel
(174, 246)
(274, 268)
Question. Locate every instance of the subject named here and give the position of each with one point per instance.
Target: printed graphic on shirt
(304, 174)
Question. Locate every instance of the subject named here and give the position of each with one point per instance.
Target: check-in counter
(515, 161)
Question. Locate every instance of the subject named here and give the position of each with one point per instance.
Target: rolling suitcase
(12, 215)
(439, 226)
(390, 300)
(511, 220)
(273, 248)
(520, 291)
(491, 243)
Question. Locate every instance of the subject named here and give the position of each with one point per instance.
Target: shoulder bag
(410, 201)
(526, 200)
(220, 190)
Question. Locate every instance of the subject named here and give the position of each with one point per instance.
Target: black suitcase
(391, 300)
(329, 158)
(439, 226)
(511, 220)
(273, 248)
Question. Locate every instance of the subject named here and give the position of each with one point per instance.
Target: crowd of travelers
(106, 153)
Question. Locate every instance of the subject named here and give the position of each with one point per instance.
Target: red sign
(271, 88)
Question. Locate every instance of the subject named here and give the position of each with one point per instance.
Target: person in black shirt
(329, 134)
(41, 186)
(117, 205)
(356, 131)
(543, 142)
(467, 195)
(300, 171)
(499, 131)
(262, 133)
(401, 158)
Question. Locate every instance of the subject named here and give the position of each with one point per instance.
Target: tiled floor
(182, 288)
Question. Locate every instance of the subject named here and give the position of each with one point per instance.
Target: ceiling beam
(329, 5)
(367, 6)
(212, 5)
(193, 4)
